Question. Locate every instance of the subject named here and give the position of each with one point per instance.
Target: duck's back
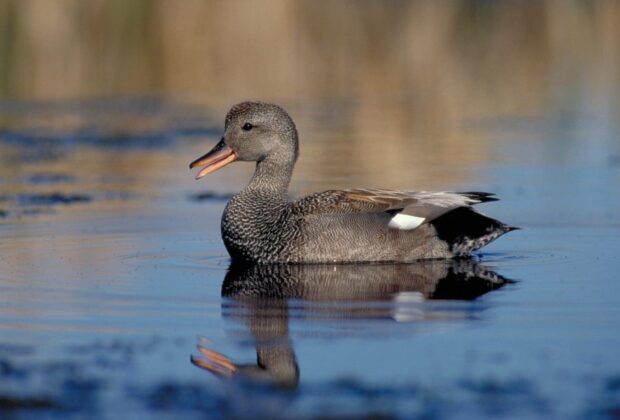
(356, 226)
(365, 225)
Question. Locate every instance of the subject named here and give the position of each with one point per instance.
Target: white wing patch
(405, 221)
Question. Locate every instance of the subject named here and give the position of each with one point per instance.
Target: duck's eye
(247, 126)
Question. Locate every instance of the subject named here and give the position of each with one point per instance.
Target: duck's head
(253, 132)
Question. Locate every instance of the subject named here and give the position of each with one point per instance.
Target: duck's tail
(466, 230)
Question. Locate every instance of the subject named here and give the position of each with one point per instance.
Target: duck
(262, 225)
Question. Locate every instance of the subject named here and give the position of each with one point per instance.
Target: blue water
(111, 273)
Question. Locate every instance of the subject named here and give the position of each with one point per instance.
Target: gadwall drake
(261, 224)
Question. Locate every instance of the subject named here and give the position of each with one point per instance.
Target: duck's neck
(271, 178)
(253, 218)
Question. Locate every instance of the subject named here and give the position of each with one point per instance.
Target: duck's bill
(220, 156)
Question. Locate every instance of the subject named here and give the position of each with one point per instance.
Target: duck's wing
(408, 208)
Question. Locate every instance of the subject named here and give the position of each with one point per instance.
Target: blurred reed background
(406, 71)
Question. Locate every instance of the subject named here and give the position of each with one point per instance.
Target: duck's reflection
(262, 296)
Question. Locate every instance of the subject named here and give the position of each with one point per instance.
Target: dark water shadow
(264, 298)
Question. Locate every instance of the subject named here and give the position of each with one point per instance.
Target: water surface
(113, 277)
